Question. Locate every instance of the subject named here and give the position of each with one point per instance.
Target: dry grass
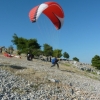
(28, 74)
(31, 75)
(70, 68)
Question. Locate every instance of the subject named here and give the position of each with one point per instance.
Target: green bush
(96, 61)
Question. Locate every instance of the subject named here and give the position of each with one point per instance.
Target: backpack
(53, 61)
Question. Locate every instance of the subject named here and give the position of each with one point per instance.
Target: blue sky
(79, 36)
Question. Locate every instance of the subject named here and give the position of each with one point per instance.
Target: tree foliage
(76, 59)
(25, 45)
(66, 55)
(15, 39)
(48, 50)
(37, 52)
(96, 61)
(57, 53)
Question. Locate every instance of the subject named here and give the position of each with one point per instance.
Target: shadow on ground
(13, 66)
(67, 71)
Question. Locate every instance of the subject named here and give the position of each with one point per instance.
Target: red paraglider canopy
(52, 10)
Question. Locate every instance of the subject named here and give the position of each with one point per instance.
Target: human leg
(52, 65)
(57, 65)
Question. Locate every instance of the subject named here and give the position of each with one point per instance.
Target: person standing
(28, 56)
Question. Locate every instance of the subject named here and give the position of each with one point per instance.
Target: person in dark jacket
(28, 56)
(54, 62)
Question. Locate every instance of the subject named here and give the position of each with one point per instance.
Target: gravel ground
(56, 84)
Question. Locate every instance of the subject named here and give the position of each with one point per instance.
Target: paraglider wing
(52, 10)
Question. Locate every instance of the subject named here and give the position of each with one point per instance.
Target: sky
(79, 35)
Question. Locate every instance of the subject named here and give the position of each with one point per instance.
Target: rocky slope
(36, 80)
